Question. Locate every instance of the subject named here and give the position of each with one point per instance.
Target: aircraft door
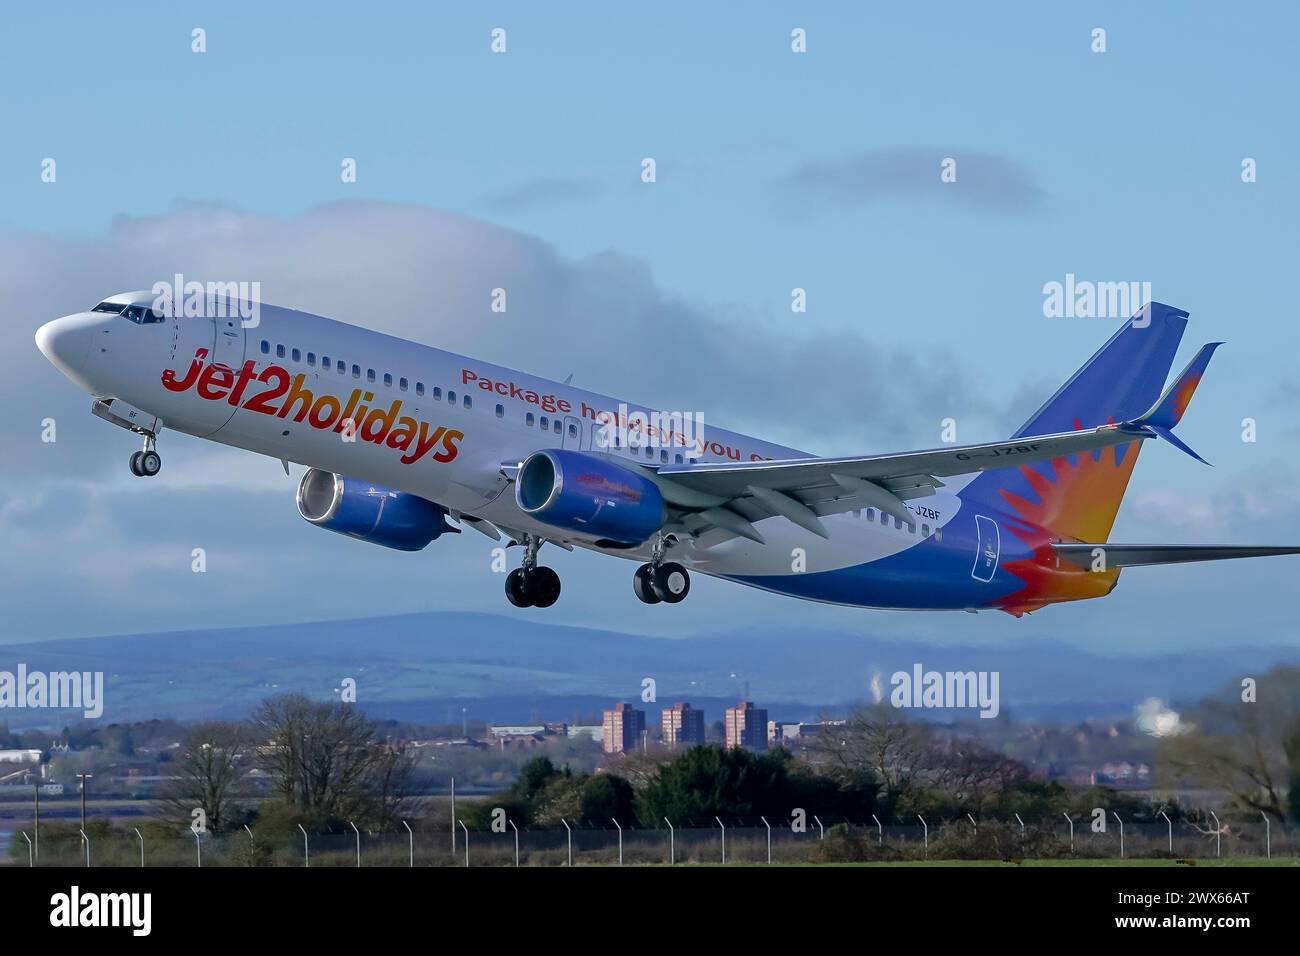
(988, 549)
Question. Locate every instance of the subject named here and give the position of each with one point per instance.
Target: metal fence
(779, 844)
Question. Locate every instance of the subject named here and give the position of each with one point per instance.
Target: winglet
(1168, 411)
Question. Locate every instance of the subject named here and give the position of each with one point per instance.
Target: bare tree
(1247, 748)
(876, 740)
(326, 762)
(208, 774)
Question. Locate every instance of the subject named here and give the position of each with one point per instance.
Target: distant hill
(426, 667)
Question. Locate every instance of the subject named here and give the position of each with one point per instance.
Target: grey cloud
(984, 180)
(544, 191)
(429, 275)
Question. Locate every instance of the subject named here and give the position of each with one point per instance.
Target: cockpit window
(142, 315)
(113, 307)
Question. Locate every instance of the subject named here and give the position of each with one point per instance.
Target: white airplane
(399, 438)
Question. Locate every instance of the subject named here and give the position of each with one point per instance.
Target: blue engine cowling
(394, 519)
(589, 495)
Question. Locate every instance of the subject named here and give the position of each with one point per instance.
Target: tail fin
(1078, 497)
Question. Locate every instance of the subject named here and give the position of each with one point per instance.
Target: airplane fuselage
(376, 408)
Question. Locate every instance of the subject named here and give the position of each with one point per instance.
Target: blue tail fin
(1121, 381)
(1079, 497)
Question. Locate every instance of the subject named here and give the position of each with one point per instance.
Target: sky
(775, 170)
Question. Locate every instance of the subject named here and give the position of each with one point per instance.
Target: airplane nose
(65, 342)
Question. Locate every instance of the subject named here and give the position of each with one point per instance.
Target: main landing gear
(531, 585)
(661, 580)
(147, 462)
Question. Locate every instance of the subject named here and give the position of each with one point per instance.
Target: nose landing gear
(531, 585)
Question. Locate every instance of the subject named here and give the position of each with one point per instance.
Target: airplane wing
(1143, 555)
(715, 501)
(731, 496)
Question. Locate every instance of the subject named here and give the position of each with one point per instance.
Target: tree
(207, 775)
(705, 782)
(606, 797)
(326, 763)
(1248, 746)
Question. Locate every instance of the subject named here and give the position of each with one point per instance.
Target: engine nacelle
(589, 495)
(394, 519)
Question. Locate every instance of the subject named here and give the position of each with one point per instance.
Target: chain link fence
(840, 842)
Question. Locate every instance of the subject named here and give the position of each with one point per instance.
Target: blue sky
(775, 170)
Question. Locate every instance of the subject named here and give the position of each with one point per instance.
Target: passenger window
(529, 419)
(925, 531)
(311, 359)
(437, 392)
(545, 423)
(898, 523)
(266, 347)
(663, 455)
(573, 431)
(419, 389)
(501, 411)
(325, 363)
(467, 401)
(938, 534)
(297, 355)
(401, 383)
(356, 371)
(388, 380)
(279, 351)
(451, 397)
(370, 375)
(341, 366)
(556, 427)
(678, 458)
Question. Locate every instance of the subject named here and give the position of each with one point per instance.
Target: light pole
(358, 833)
(1218, 835)
(769, 839)
(36, 792)
(1268, 835)
(411, 833)
(198, 844)
(975, 826)
(453, 815)
(1022, 831)
(1071, 822)
(724, 838)
(252, 844)
(1171, 831)
(672, 849)
(31, 853)
(1121, 833)
(821, 830)
(84, 777)
(516, 829)
(306, 850)
(466, 829)
(927, 835)
(620, 843)
(86, 840)
(141, 836)
(570, 829)
(880, 831)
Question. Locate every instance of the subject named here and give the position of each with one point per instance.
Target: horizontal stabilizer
(1103, 556)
